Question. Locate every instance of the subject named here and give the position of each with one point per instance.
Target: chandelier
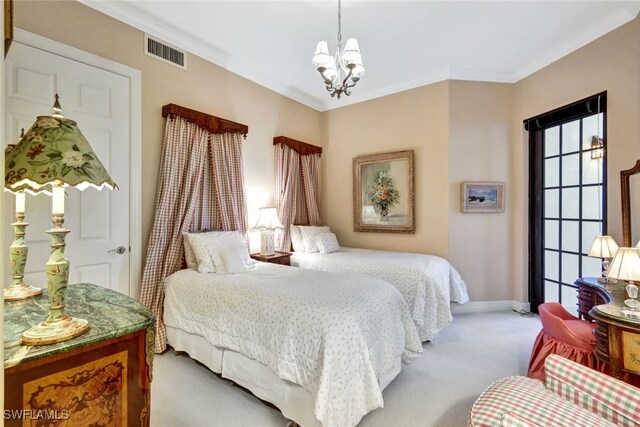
(344, 69)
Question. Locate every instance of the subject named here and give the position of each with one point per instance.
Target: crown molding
(194, 46)
(177, 37)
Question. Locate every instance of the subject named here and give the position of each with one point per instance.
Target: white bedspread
(332, 334)
(428, 283)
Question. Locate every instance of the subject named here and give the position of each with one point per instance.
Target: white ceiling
(404, 44)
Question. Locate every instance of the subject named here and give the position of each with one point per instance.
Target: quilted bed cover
(332, 334)
(428, 283)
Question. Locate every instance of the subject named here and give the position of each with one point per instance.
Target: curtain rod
(206, 121)
(299, 146)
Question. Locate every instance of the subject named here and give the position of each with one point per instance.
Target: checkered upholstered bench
(572, 395)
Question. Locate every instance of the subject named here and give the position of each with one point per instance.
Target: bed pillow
(327, 243)
(189, 256)
(309, 234)
(206, 247)
(296, 238)
(232, 260)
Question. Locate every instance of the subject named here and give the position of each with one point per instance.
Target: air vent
(165, 52)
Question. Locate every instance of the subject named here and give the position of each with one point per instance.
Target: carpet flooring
(437, 390)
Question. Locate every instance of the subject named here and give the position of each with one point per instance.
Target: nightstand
(282, 258)
(102, 377)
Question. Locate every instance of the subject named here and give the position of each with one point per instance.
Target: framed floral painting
(383, 193)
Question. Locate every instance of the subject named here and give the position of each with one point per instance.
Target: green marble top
(111, 315)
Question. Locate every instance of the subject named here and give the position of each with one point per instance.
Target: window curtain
(297, 191)
(200, 186)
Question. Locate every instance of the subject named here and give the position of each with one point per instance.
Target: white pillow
(232, 259)
(309, 233)
(207, 245)
(296, 238)
(189, 256)
(327, 243)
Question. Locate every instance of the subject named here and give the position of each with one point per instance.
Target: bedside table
(282, 258)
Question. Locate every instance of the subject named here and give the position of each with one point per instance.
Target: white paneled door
(99, 101)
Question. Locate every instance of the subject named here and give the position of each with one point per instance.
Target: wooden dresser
(101, 378)
(590, 293)
(617, 334)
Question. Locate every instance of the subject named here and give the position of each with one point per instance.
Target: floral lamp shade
(54, 150)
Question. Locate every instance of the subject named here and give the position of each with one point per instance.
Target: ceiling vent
(165, 52)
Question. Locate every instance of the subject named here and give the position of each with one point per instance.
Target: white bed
(428, 283)
(320, 346)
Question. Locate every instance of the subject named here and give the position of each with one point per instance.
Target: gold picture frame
(383, 192)
(8, 25)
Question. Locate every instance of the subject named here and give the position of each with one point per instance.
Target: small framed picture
(482, 197)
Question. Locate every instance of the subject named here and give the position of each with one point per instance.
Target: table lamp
(18, 251)
(267, 222)
(604, 247)
(626, 266)
(54, 154)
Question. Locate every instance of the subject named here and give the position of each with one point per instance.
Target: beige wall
(412, 120)
(204, 87)
(480, 244)
(611, 63)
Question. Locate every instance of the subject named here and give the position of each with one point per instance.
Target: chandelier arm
(346, 79)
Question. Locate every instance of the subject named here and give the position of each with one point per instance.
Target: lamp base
(21, 292)
(54, 332)
(267, 243)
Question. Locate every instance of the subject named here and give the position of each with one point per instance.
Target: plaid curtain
(201, 186)
(311, 184)
(297, 191)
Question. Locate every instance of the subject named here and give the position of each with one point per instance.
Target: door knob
(119, 250)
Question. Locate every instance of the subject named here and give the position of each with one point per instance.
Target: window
(567, 198)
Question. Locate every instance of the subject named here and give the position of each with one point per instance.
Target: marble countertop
(110, 314)
(616, 310)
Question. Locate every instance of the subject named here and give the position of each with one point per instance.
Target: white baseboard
(488, 306)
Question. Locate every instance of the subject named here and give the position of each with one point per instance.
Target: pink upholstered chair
(562, 334)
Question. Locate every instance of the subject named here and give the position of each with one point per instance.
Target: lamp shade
(351, 51)
(54, 150)
(626, 265)
(603, 247)
(25, 188)
(268, 219)
(321, 57)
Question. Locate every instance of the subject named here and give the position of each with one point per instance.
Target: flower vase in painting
(382, 194)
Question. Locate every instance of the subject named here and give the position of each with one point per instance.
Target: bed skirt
(293, 401)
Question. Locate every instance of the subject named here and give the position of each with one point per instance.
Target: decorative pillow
(296, 238)
(327, 243)
(206, 246)
(189, 256)
(308, 236)
(232, 259)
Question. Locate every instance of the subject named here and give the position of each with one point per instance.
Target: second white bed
(428, 283)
